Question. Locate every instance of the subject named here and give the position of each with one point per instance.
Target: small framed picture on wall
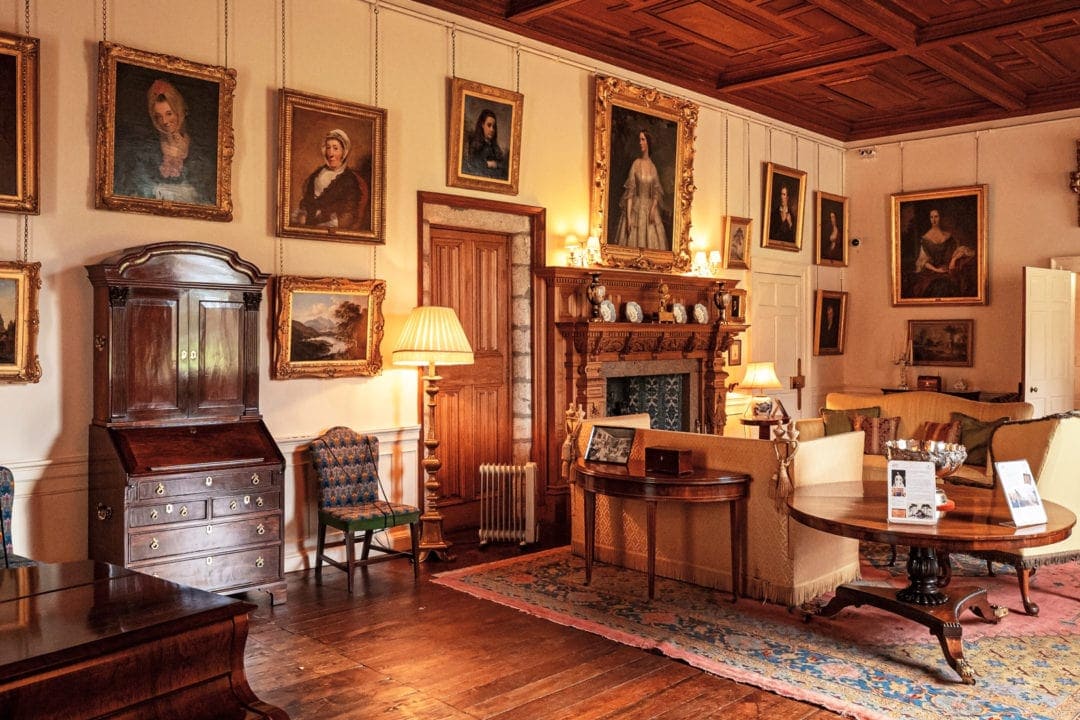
(734, 353)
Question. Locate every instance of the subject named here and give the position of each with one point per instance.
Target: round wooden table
(981, 521)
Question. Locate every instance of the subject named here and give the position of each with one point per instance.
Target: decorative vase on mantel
(722, 301)
(595, 293)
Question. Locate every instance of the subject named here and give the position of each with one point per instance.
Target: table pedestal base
(942, 619)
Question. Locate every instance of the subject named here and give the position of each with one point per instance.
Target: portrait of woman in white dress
(642, 190)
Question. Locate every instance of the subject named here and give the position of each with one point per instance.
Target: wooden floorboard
(403, 649)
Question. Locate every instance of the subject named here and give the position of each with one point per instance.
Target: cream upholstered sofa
(915, 408)
(787, 563)
(1051, 446)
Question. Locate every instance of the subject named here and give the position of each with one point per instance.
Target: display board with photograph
(1021, 492)
(912, 492)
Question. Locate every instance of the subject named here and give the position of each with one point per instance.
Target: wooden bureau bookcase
(185, 481)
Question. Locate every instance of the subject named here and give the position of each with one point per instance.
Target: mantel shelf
(623, 340)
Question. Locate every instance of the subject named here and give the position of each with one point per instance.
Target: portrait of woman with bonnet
(334, 195)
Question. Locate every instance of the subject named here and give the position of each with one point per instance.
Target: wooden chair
(351, 499)
(7, 501)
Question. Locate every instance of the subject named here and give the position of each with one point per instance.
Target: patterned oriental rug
(864, 662)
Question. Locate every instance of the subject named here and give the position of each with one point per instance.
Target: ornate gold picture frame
(19, 321)
(19, 123)
(737, 242)
(164, 135)
(939, 247)
(949, 343)
(332, 170)
(831, 229)
(327, 327)
(484, 146)
(785, 201)
(643, 176)
(830, 318)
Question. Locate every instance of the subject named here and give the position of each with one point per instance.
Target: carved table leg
(590, 533)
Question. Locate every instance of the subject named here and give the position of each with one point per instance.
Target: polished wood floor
(399, 649)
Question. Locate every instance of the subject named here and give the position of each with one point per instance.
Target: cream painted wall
(330, 50)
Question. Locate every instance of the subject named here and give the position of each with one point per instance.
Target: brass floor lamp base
(433, 546)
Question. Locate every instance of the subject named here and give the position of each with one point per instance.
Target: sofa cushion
(975, 436)
(877, 430)
(839, 421)
(939, 432)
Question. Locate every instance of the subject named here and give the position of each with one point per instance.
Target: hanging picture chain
(104, 20)
(976, 158)
(727, 161)
(901, 146)
(283, 54)
(517, 68)
(453, 51)
(225, 10)
(375, 9)
(25, 140)
(746, 143)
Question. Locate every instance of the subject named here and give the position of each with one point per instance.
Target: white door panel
(1049, 305)
(777, 326)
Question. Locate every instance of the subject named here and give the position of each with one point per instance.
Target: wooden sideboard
(185, 479)
(89, 640)
(577, 352)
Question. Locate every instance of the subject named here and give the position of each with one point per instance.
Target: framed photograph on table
(19, 320)
(737, 243)
(484, 147)
(164, 135)
(939, 247)
(785, 198)
(830, 230)
(643, 176)
(327, 327)
(610, 444)
(941, 342)
(830, 315)
(19, 124)
(332, 170)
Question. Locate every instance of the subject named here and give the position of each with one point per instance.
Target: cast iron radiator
(508, 503)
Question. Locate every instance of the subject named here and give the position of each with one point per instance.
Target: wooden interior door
(470, 272)
(777, 328)
(1049, 309)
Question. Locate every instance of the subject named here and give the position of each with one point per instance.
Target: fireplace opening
(665, 397)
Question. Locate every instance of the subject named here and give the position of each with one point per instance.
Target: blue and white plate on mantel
(607, 311)
(701, 314)
(633, 312)
(679, 311)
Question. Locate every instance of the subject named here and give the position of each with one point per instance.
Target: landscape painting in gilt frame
(327, 327)
(19, 124)
(332, 169)
(643, 176)
(19, 286)
(484, 147)
(164, 135)
(942, 342)
(939, 247)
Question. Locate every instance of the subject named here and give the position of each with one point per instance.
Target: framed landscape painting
(785, 198)
(484, 147)
(332, 170)
(942, 342)
(327, 327)
(643, 176)
(19, 286)
(939, 247)
(19, 124)
(164, 135)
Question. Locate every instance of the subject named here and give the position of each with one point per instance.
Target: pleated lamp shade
(760, 376)
(433, 334)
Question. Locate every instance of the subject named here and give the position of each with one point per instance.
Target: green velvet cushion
(839, 421)
(975, 436)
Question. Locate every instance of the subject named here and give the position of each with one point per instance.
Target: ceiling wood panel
(850, 70)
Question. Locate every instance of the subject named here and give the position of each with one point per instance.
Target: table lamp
(761, 376)
(432, 336)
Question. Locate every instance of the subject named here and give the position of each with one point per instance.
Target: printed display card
(1021, 492)
(912, 492)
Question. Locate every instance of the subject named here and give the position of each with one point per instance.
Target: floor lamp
(432, 336)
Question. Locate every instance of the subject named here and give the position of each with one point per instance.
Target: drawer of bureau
(251, 502)
(165, 542)
(220, 571)
(167, 513)
(210, 481)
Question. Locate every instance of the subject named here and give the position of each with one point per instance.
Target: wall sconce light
(575, 257)
(714, 262)
(700, 265)
(592, 250)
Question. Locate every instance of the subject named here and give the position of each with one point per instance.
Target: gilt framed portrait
(785, 198)
(19, 286)
(19, 124)
(830, 318)
(332, 169)
(737, 243)
(831, 229)
(643, 176)
(939, 247)
(942, 342)
(327, 327)
(484, 147)
(164, 135)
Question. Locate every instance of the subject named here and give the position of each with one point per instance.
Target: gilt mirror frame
(622, 112)
(19, 124)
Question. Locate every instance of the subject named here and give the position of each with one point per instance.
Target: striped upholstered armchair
(351, 499)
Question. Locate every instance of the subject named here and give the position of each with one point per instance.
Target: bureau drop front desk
(185, 480)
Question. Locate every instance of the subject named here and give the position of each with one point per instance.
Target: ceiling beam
(876, 21)
(973, 76)
(1014, 16)
(527, 10)
(764, 76)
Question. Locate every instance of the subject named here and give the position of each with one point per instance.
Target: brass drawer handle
(154, 545)
(259, 562)
(247, 499)
(255, 478)
(232, 505)
(258, 502)
(153, 514)
(160, 489)
(183, 511)
(209, 480)
(168, 509)
(261, 529)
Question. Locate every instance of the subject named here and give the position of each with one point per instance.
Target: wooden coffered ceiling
(850, 69)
